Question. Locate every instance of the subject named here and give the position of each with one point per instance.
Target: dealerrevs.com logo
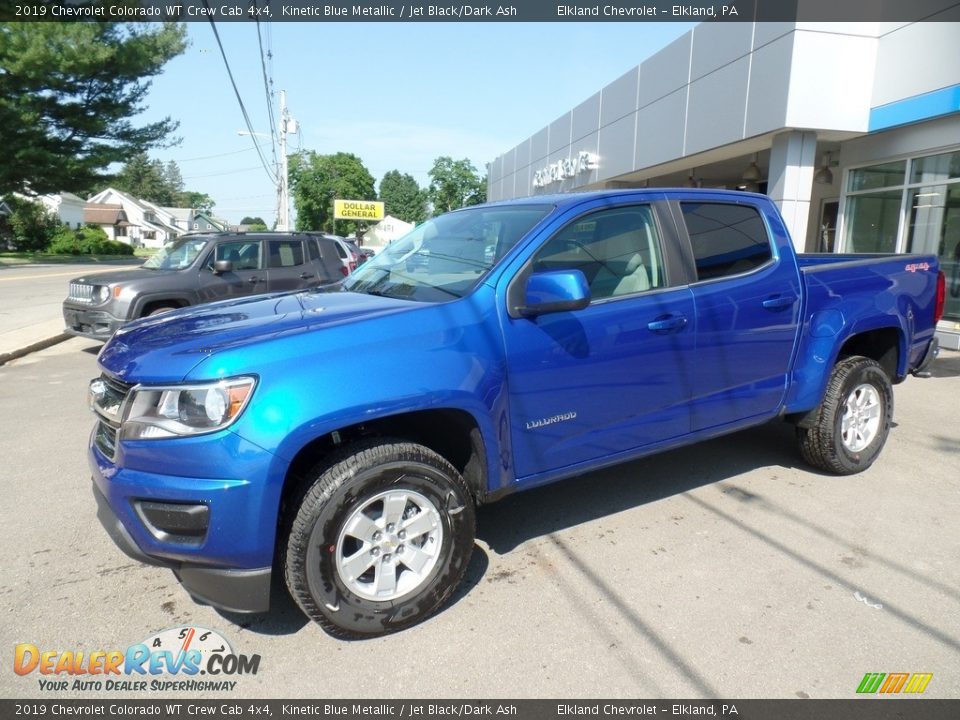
(178, 659)
(894, 683)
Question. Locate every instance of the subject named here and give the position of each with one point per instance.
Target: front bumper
(245, 591)
(222, 555)
(86, 322)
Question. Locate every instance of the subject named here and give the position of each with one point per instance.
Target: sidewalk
(16, 343)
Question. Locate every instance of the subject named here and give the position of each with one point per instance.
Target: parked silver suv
(198, 268)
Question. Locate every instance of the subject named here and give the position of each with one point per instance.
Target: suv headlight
(101, 293)
(179, 410)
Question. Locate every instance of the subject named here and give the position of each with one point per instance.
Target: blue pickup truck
(503, 346)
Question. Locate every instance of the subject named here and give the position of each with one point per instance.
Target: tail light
(352, 265)
(941, 297)
(345, 270)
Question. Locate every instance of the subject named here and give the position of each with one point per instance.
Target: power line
(227, 172)
(236, 92)
(210, 157)
(266, 88)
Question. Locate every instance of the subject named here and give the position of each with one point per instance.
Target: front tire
(380, 539)
(853, 420)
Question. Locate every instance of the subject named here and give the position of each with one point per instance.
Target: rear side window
(727, 239)
(285, 253)
(313, 249)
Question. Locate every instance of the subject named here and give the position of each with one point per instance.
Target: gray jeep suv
(198, 268)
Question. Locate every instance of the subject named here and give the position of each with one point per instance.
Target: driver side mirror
(555, 291)
(222, 266)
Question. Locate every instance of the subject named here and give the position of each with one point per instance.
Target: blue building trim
(916, 108)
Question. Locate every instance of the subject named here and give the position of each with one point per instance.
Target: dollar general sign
(357, 210)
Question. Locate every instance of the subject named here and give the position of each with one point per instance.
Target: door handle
(779, 302)
(253, 280)
(668, 323)
(306, 276)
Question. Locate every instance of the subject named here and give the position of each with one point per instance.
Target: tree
(253, 221)
(160, 184)
(197, 200)
(454, 184)
(68, 92)
(403, 198)
(316, 180)
(32, 226)
(147, 180)
(173, 179)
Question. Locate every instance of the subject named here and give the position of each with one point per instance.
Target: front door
(615, 375)
(246, 278)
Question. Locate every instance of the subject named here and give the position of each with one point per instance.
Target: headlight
(102, 293)
(161, 412)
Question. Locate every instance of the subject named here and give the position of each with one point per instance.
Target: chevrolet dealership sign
(357, 210)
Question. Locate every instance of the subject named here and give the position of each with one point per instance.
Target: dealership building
(852, 128)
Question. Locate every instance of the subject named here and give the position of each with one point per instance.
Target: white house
(149, 224)
(66, 206)
(386, 231)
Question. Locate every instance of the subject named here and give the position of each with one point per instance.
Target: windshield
(177, 255)
(447, 256)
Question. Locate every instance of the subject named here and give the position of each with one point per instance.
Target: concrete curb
(33, 347)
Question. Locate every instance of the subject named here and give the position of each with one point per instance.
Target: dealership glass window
(921, 195)
(872, 222)
(877, 176)
(935, 230)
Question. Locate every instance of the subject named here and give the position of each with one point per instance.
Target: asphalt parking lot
(725, 570)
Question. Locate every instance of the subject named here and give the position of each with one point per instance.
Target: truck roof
(575, 198)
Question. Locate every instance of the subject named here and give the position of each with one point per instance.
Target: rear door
(614, 376)
(747, 302)
(288, 267)
(325, 261)
(247, 276)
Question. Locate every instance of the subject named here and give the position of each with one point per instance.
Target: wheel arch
(452, 433)
(146, 305)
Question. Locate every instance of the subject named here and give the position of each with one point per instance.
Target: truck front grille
(81, 293)
(108, 405)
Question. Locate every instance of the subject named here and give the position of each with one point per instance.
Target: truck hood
(165, 348)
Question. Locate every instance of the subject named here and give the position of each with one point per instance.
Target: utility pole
(287, 124)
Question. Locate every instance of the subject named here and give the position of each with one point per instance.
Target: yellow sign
(357, 210)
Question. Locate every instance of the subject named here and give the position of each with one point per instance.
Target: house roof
(104, 214)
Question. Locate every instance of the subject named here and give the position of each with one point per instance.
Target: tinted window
(617, 250)
(313, 250)
(244, 254)
(726, 239)
(285, 253)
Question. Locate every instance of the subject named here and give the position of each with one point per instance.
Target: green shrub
(65, 242)
(89, 240)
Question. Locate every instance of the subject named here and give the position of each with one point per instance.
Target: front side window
(244, 254)
(727, 239)
(617, 250)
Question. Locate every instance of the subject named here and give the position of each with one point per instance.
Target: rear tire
(853, 420)
(380, 539)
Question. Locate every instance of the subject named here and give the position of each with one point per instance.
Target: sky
(398, 95)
